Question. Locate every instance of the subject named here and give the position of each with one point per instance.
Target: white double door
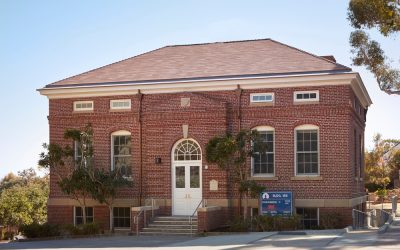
(186, 187)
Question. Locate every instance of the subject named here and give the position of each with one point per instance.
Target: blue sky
(45, 41)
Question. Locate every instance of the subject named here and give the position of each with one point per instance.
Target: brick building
(153, 114)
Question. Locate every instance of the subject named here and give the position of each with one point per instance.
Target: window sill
(119, 110)
(82, 112)
(306, 178)
(262, 104)
(305, 102)
(264, 178)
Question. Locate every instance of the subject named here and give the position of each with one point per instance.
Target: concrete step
(171, 225)
(184, 226)
(166, 233)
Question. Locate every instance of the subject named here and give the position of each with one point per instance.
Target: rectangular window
(78, 148)
(307, 152)
(122, 217)
(355, 154)
(262, 98)
(309, 217)
(122, 154)
(83, 106)
(79, 215)
(120, 104)
(306, 96)
(263, 162)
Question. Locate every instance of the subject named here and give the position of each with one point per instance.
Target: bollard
(394, 204)
(369, 219)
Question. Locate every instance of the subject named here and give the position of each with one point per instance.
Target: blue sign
(276, 203)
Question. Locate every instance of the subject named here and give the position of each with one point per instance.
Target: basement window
(306, 96)
(309, 217)
(262, 98)
(79, 215)
(122, 217)
(120, 104)
(83, 106)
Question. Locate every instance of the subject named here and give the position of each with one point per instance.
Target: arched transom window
(187, 150)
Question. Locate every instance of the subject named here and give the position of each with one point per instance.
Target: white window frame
(118, 133)
(266, 129)
(83, 109)
(130, 219)
(318, 215)
(262, 94)
(120, 100)
(74, 218)
(306, 127)
(306, 92)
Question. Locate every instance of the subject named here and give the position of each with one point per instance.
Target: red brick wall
(211, 220)
(215, 113)
(62, 215)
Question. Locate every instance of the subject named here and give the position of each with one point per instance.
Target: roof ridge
(231, 41)
(311, 54)
(122, 60)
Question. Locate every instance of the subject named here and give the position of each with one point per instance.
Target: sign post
(276, 203)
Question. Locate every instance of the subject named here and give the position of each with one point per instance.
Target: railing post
(368, 219)
(137, 225)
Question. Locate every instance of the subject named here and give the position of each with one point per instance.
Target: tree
(231, 153)
(106, 185)
(83, 180)
(385, 16)
(23, 198)
(378, 162)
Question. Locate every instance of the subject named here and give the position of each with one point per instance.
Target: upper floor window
(306, 96)
(120, 104)
(83, 149)
(262, 98)
(83, 106)
(121, 152)
(307, 150)
(262, 162)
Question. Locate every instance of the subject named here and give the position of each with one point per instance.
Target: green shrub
(331, 220)
(276, 223)
(83, 229)
(36, 230)
(239, 225)
(7, 235)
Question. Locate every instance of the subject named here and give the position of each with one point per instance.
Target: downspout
(239, 92)
(140, 97)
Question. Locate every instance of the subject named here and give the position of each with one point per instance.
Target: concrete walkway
(300, 240)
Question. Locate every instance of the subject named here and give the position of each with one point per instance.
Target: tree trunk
(111, 219)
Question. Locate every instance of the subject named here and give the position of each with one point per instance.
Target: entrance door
(187, 188)
(186, 177)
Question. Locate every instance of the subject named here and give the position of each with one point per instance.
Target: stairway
(170, 225)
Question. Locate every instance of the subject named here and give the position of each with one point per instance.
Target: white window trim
(267, 129)
(306, 127)
(306, 92)
(116, 133)
(255, 94)
(83, 109)
(121, 228)
(74, 212)
(120, 100)
(318, 220)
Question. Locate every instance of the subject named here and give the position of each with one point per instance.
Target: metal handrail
(356, 218)
(203, 201)
(136, 220)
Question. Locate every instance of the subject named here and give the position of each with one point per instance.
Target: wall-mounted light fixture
(157, 160)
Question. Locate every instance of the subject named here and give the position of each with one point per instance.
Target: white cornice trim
(314, 80)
